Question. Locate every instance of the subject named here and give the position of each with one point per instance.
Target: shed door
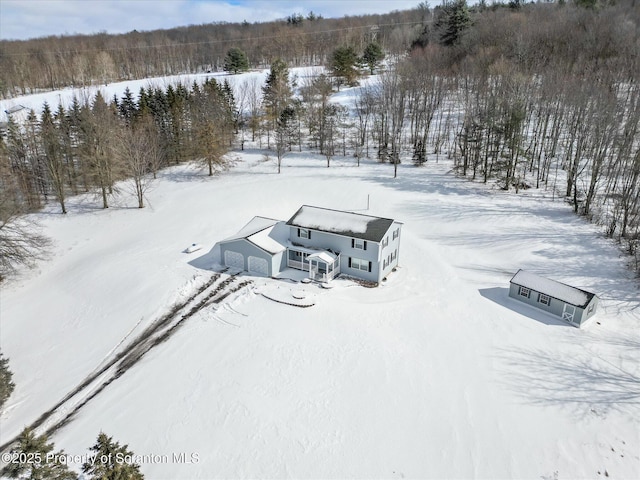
(234, 259)
(568, 312)
(258, 265)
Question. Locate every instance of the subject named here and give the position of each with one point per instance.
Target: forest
(519, 96)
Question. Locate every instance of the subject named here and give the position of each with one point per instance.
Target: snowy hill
(434, 374)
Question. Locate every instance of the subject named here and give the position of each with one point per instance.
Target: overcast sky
(22, 19)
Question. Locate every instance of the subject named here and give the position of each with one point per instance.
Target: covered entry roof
(561, 291)
(324, 256)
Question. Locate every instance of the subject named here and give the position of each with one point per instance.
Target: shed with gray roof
(571, 304)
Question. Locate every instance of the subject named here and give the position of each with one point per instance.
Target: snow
(558, 290)
(264, 240)
(194, 247)
(326, 257)
(434, 374)
(255, 225)
(331, 220)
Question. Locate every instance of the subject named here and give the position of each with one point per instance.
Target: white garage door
(258, 265)
(234, 259)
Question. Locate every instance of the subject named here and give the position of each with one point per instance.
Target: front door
(313, 269)
(568, 313)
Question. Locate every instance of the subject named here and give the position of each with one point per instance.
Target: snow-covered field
(434, 374)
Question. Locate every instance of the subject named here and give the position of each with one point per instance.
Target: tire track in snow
(211, 292)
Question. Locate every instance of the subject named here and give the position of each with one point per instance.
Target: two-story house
(322, 241)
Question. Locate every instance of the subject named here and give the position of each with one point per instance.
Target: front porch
(323, 266)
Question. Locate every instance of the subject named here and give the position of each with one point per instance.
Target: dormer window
(359, 243)
(304, 233)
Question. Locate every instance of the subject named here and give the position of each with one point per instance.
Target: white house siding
(343, 245)
(390, 253)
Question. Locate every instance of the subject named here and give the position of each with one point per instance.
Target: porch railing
(299, 265)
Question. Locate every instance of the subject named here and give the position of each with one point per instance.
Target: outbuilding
(571, 304)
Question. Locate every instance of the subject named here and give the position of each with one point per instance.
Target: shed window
(544, 299)
(590, 308)
(524, 292)
(360, 264)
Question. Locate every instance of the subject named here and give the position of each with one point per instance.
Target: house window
(590, 308)
(360, 264)
(544, 299)
(396, 233)
(359, 244)
(524, 292)
(385, 242)
(304, 233)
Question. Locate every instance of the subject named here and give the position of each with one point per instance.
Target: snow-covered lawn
(435, 374)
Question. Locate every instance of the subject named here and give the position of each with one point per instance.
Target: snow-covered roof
(266, 241)
(265, 233)
(566, 293)
(14, 109)
(326, 257)
(342, 223)
(255, 225)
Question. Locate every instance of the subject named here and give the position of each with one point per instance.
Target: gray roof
(560, 291)
(340, 222)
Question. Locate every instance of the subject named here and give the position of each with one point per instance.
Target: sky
(23, 19)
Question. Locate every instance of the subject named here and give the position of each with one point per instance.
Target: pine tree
(35, 460)
(277, 89)
(127, 106)
(53, 156)
(6, 384)
(112, 461)
(372, 56)
(453, 19)
(277, 92)
(343, 65)
(236, 61)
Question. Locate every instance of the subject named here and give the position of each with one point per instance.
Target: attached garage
(258, 265)
(233, 259)
(254, 248)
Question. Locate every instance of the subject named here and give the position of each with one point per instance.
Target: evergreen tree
(343, 65)
(372, 56)
(6, 384)
(277, 89)
(236, 61)
(277, 92)
(452, 20)
(110, 461)
(127, 106)
(35, 460)
(53, 156)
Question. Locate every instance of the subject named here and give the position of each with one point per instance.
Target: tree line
(55, 62)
